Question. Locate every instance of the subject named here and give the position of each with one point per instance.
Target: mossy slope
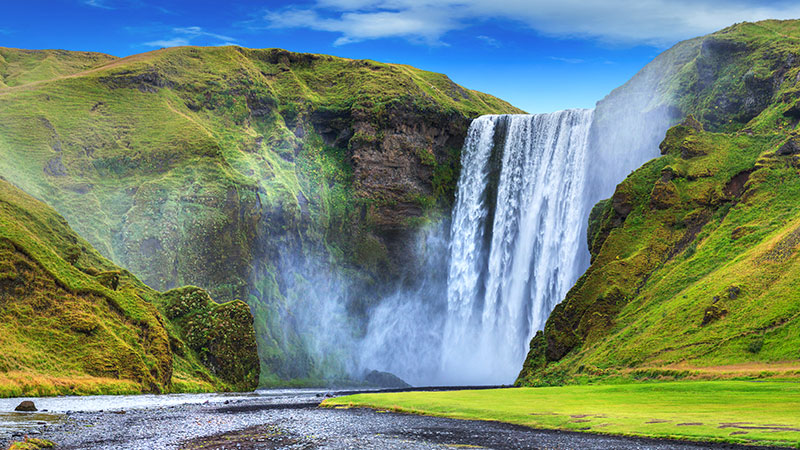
(72, 322)
(694, 258)
(29, 66)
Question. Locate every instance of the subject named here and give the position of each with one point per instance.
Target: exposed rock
(736, 186)
(790, 147)
(26, 406)
(55, 167)
(148, 82)
(622, 203)
(692, 123)
(668, 174)
(596, 232)
(663, 195)
(733, 292)
(793, 111)
(385, 380)
(712, 314)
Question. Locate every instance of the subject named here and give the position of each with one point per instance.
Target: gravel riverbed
(288, 421)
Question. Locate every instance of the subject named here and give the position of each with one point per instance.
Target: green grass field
(727, 411)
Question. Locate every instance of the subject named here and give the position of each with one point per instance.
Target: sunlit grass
(729, 411)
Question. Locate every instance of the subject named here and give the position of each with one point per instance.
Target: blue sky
(541, 55)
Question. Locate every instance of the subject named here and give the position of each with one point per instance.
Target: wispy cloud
(174, 42)
(98, 4)
(627, 22)
(490, 41)
(5, 31)
(185, 36)
(568, 60)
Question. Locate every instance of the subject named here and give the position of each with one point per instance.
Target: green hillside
(241, 171)
(28, 66)
(694, 259)
(72, 322)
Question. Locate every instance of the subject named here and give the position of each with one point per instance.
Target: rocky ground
(296, 422)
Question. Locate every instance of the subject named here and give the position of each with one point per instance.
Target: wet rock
(385, 379)
(793, 111)
(791, 147)
(26, 406)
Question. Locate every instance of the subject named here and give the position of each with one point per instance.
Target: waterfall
(516, 243)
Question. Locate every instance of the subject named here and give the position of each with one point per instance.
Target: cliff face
(693, 254)
(245, 172)
(74, 323)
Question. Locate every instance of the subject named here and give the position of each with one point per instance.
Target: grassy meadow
(749, 412)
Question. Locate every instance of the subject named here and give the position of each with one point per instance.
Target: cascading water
(516, 239)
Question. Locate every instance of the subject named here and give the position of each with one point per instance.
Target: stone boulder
(26, 406)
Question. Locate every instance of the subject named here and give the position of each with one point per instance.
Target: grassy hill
(27, 66)
(72, 322)
(245, 172)
(694, 258)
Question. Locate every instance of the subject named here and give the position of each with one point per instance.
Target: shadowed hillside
(71, 322)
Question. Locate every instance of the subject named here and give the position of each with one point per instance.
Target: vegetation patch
(32, 444)
(723, 411)
(71, 322)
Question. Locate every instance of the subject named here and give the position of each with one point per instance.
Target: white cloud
(629, 22)
(185, 35)
(417, 25)
(490, 41)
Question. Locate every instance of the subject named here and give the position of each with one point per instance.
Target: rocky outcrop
(222, 335)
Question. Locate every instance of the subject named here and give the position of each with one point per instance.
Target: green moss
(221, 335)
(32, 444)
(74, 323)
